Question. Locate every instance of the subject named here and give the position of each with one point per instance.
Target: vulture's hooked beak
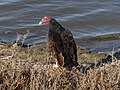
(40, 23)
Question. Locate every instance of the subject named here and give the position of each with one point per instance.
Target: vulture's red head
(44, 20)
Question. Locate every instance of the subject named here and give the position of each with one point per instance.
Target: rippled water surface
(85, 18)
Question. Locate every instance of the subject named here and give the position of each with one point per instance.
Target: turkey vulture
(60, 43)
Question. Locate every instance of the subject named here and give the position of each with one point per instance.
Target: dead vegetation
(31, 69)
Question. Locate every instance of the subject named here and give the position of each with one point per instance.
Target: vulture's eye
(45, 19)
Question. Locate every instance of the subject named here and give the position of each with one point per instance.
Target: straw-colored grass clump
(32, 69)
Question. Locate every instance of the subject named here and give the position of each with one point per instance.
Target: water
(85, 18)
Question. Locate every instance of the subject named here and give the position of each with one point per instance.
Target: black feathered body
(61, 44)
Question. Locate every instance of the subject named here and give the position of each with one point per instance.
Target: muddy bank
(101, 43)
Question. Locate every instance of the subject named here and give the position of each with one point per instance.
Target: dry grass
(30, 69)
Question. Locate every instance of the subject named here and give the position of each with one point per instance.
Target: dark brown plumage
(61, 43)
